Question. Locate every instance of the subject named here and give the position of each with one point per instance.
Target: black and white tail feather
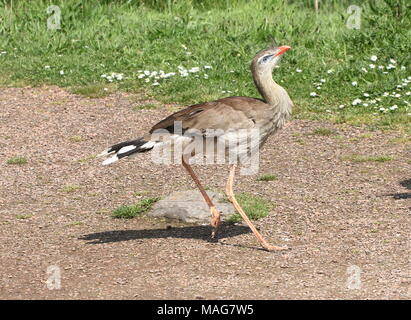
(125, 149)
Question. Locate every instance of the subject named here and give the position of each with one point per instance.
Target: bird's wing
(225, 114)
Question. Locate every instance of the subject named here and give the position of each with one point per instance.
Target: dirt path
(337, 215)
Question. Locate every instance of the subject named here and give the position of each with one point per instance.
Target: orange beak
(282, 50)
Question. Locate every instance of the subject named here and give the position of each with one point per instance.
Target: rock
(189, 206)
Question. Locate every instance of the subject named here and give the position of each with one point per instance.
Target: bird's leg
(215, 214)
(233, 200)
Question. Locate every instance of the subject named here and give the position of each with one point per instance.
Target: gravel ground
(348, 223)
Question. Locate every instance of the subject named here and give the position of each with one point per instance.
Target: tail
(125, 149)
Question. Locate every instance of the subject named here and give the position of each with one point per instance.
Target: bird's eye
(267, 58)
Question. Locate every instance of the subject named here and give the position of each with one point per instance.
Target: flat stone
(189, 206)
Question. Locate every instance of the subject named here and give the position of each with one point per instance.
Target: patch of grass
(76, 139)
(401, 140)
(365, 158)
(149, 106)
(70, 188)
(87, 158)
(299, 141)
(323, 132)
(255, 207)
(17, 160)
(23, 216)
(140, 193)
(267, 177)
(128, 212)
(94, 90)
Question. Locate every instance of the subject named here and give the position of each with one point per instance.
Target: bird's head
(267, 59)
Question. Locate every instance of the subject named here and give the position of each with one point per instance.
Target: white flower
(46, 67)
(365, 104)
(403, 68)
(146, 72)
(390, 66)
(298, 70)
(61, 72)
(397, 95)
(394, 107)
(381, 67)
(393, 61)
(366, 94)
(381, 109)
(374, 58)
(408, 93)
(155, 83)
(364, 70)
(356, 101)
(385, 94)
(319, 88)
(140, 76)
(330, 71)
(313, 94)
(194, 69)
(354, 83)
(208, 67)
(341, 106)
(147, 80)
(372, 66)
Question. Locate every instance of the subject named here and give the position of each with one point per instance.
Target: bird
(225, 118)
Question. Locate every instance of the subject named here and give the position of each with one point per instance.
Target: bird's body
(229, 122)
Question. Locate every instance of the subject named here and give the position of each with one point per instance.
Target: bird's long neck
(267, 87)
(274, 95)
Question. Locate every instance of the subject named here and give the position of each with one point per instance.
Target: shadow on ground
(404, 195)
(192, 232)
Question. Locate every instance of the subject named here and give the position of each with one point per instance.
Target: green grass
(267, 177)
(70, 188)
(128, 212)
(365, 158)
(124, 37)
(76, 139)
(323, 132)
(17, 160)
(94, 90)
(255, 207)
(23, 216)
(148, 106)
